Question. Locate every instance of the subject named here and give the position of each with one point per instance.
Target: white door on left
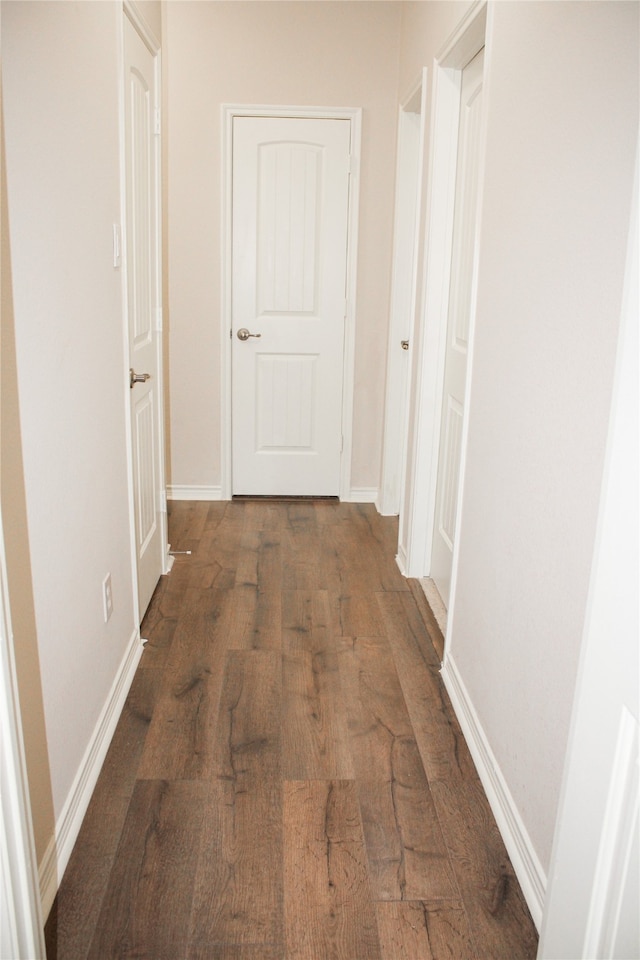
(142, 302)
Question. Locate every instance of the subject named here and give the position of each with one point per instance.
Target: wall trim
(362, 495)
(526, 864)
(185, 491)
(354, 116)
(56, 856)
(177, 491)
(132, 10)
(401, 561)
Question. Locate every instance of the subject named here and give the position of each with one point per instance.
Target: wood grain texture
(141, 914)
(234, 951)
(302, 550)
(187, 521)
(179, 742)
(288, 779)
(328, 906)
(442, 745)
(314, 718)
(430, 622)
(246, 748)
(77, 907)
(408, 859)
(425, 931)
(498, 915)
(238, 891)
(357, 615)
(256, 616)
(376, 709)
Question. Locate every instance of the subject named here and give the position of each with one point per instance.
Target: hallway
(287, 778)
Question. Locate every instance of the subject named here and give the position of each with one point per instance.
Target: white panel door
(462, 254)
(142, 302)
(289, 220)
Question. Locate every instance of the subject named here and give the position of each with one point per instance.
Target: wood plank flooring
(288, 779)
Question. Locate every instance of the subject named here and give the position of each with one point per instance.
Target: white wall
(561, 93)
(592, 905)
(329, 54)
(562, 123)
(61, 88)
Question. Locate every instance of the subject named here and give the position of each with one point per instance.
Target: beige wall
(425, 29)
(329, 54)
(557, 202)
(561, 95)
(562, 121)
(18, 560)
(64, 388)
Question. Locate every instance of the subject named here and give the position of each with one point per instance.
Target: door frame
(354, 116)
(406, 245)
(131, 11)
(471, 35)
(22, 932)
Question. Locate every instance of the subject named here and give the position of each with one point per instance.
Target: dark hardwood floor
(288, 779)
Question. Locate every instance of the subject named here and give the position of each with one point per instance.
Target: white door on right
(462, 258)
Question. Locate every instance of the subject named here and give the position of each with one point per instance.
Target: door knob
(404, 344)
(243, 334)
(137, 377)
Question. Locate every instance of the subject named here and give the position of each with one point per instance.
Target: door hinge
(157, 122)
(158, 319)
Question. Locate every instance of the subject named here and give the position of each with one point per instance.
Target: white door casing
(142, 256)
(21, 921)
(289, 225)
(458, 324)
(429, 335)
(354, 117)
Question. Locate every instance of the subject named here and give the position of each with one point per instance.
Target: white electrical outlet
(107, 597)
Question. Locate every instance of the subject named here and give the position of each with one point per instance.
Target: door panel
(289, 220)
(459, 311)
(141, 227)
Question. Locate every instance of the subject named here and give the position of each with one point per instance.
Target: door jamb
(430, 335)
(354, 116)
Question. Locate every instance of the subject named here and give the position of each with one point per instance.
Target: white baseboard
(384, 508)
(401, 560)
(362, 495)
(524, 859)
(56, 856)
(178, 491)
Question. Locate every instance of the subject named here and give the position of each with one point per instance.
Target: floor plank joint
(288, 779)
